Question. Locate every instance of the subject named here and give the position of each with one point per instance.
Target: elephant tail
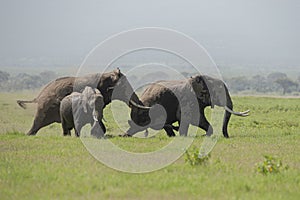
(22, 103)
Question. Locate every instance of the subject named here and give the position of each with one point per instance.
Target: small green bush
(270, 165)
(192, 157)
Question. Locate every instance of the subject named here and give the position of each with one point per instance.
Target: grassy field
(50, 166)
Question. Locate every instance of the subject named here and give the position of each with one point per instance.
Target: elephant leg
(183, 129)
(102, 126)
(67, 132)
(227, 116)
(169, 130)
(205, 125)
(77, 133)
(43, 118)
(97, 130)
(78, 130)
(36, 126)
(38, 123)
(66, 129)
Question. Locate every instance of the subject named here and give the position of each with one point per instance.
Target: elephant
(184, 102)
(48, 100)
(78, 109)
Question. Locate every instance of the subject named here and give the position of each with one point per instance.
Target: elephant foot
(67, 133)
(97, 134)
(77, 134)
(169, 130)
(31, 133)
(125, 135)
(225, 134)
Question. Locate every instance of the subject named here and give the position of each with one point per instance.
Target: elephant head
(210, 92)
(122, 90)
(143, 117)
(104, 82)
(92, 100)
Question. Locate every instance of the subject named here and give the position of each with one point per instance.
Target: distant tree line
(276, 82)
(24, 81)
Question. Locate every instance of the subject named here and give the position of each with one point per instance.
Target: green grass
(51, 166)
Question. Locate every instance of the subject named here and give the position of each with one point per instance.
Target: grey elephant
(48, 100)
(79, 109)
(183, 101)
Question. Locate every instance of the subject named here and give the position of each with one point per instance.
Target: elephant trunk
(229, 111)
(135, 102)
(227, 114)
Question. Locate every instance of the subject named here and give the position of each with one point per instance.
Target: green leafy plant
(270, 165)
(192, 157)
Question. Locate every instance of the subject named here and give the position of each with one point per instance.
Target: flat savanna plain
(50, 166)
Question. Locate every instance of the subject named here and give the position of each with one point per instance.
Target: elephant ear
(117, 71)
(98, 99)
(200, 84)
(200, 87)
(116, 75)
(98, 105)
(87, 97)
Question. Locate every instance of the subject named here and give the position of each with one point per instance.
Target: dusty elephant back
(56, 90)
(61, 87)
(163, 92)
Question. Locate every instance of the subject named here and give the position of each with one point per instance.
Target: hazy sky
(233, 31)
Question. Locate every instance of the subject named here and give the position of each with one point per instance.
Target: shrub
(192, 157)
(270, 165)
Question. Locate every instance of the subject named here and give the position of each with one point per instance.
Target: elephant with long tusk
(183, 101)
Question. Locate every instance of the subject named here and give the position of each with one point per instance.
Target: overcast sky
(233, 31)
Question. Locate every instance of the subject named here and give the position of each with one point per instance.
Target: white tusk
(139, 106)
(95, 118)
(242, 114)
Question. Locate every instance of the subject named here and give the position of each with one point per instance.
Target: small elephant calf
(79, 109)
